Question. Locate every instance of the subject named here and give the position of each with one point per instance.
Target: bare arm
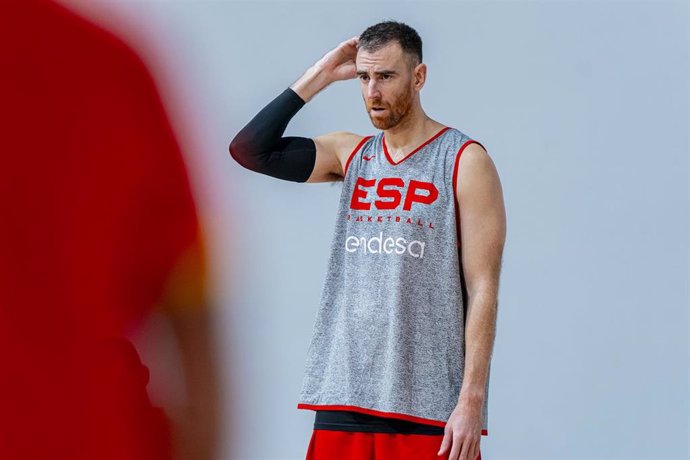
(337, 64)
(333, 148)
(332, 151)
(483, 233)
(261, 147)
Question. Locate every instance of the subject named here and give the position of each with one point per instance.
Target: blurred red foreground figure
(97, 228)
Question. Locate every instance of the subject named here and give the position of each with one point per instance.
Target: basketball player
(399, 362)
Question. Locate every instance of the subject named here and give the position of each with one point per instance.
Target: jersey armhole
(349, 158)
(455, 187)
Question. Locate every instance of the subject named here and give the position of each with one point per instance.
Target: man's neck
(410, 134)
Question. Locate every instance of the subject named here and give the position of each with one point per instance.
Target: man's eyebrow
(380, 72)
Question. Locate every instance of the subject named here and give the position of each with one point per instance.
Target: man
(98, 228)
(404, 335)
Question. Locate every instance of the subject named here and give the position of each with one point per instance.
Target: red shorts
(355, 445)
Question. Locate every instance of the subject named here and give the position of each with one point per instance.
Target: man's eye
(363, 77)
(386, 77)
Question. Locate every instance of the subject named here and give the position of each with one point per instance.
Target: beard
(393, 114)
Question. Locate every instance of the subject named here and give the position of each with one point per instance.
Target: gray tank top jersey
(388, 338)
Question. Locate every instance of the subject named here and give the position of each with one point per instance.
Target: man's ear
(419, 76)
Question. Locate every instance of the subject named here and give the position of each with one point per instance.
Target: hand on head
(339, 63)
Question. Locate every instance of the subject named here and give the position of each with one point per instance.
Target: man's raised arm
(261, 147)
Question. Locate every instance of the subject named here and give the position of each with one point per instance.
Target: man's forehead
(388, 57)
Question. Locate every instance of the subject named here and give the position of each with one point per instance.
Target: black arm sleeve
(260, 147)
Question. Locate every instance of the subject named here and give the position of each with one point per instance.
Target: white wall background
(583, 107)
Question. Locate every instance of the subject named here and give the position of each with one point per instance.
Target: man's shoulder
(343, 143)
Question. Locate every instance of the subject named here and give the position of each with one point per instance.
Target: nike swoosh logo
(368, 158)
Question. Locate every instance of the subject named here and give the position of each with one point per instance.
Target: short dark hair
(379, 35)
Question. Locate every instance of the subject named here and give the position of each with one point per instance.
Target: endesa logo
(389, 245)
(392, 188)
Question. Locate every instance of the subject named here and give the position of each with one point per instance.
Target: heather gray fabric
(389, 333)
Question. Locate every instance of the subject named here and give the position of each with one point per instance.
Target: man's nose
(372, 90)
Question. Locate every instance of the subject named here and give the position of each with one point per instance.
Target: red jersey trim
(390, 160)
(409, 418)
(349, 158)
(455, 186)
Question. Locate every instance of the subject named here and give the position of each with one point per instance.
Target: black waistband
(341, 420)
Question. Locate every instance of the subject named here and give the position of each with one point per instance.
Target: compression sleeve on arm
(260, 147)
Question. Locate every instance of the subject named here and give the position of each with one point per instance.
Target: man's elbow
(234, 149)
(243, 153)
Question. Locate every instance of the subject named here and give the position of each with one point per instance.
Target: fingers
(446, 441)
(465, 451)
(460, 449)
(455, 450)
(353, 41)
(473, 453)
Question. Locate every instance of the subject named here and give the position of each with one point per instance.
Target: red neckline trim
(390, 160)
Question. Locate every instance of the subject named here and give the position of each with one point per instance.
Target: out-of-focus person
(98, 228)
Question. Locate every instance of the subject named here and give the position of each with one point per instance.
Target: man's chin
(378, 123)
